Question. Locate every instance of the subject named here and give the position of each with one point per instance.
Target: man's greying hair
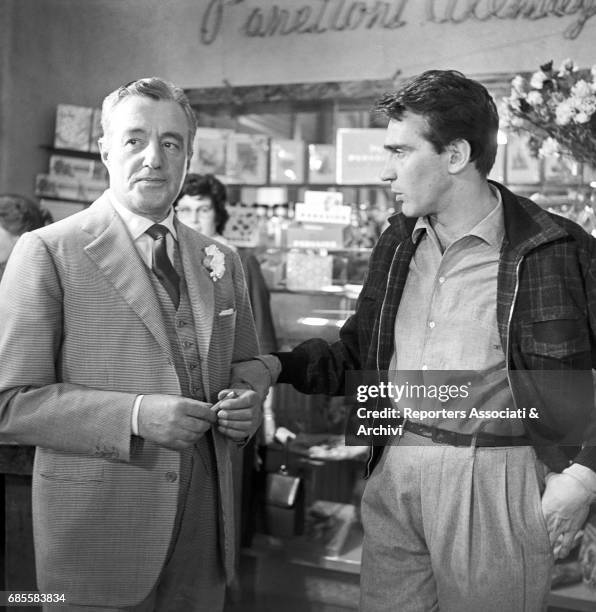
(156, 89)
(454, 107)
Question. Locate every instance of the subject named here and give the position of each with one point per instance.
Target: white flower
(215, 262)
(584, 108)
(582, 89)
(535, 98)
(564, 112)
(538, 79)
(558, 110)
(518, 84)
(566, 67)
(550, 147)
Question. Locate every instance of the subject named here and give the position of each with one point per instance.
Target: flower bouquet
(557, 108)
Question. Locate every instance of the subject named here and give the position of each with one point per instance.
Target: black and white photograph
(298, 305)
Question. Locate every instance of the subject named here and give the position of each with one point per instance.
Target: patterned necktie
(161, 264)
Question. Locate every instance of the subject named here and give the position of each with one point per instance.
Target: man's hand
(258, 374)
(173, 421)
(238, 412)
(565, 505)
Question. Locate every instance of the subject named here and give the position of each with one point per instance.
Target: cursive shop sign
(316, 17)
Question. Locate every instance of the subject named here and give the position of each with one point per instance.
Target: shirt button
(193, 366)
(187, 344)
(441, 279)
(432, 324)
(425, 367)
(180, 323)
(171, 476)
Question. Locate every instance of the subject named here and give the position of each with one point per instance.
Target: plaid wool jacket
(546, 313)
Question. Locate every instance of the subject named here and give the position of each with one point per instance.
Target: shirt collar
(490, 228)
(137, 225)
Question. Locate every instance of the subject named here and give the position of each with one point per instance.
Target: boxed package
(67, 188)
(78, 168)
(242, 228)
(287, 161)
(360, 156)
(246, 159)
(323, 207)
(209, 151)
(316, 235)
(73, 127)
(308, 271)
(321, 164)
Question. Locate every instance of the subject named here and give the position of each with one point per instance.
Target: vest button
(171, 476)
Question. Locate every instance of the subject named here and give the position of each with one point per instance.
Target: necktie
(161, 264)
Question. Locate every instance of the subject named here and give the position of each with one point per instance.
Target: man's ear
(459, 152)
(103, 150)
(189, 157)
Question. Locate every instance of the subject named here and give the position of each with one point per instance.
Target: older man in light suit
(119, 326)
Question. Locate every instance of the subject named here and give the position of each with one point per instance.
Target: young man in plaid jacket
(467, 514)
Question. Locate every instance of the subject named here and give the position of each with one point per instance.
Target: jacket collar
(527, 225)
(110, 245)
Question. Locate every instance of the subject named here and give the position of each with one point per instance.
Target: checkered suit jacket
(80, 337)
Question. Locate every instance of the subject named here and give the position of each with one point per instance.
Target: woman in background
(202, 205)
(18, 215)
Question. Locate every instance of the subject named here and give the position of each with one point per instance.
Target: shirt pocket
(556, 333)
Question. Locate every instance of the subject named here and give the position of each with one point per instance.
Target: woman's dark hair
(207, 186)
(19, 214)
(454, 107)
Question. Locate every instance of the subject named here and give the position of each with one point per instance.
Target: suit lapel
(201, 291)
(114, 253)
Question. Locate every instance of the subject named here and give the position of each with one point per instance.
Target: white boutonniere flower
(215, 262)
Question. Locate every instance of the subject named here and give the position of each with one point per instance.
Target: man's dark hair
(207, 186)
(454, 107)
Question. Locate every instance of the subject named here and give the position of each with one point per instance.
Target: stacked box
(323, 209)
(316, 235)
(73, 127)
(246, 159)
(308, 271)
(321, 164)
(67, 188)
(287, 161)
(360, 156)
(78, 168)
(242, 228)
(209, 152)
